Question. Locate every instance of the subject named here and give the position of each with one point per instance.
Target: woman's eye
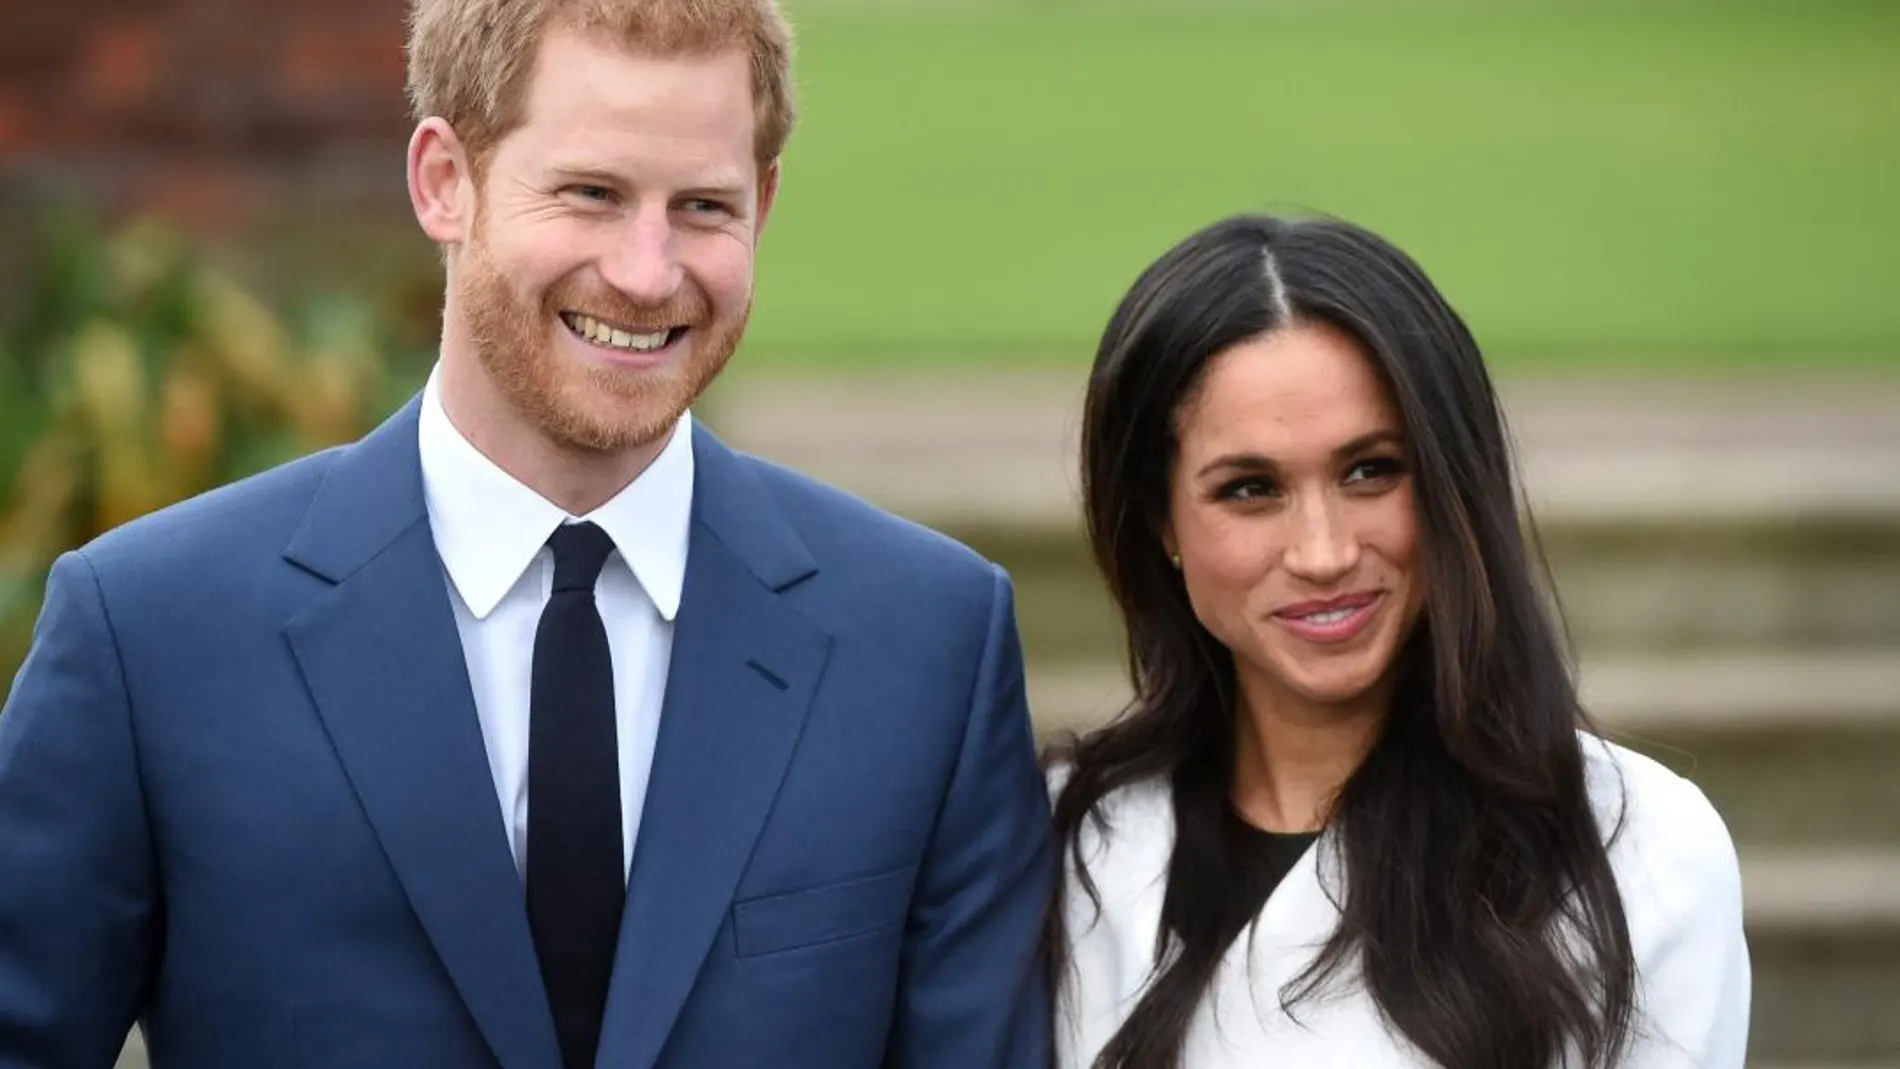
(1376, 468)
(1251, 489)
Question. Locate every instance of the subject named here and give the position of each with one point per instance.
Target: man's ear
(441, 182)
(768, 195)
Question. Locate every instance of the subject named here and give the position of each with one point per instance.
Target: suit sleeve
(972, 995)
(1692, 962)
(78, 894)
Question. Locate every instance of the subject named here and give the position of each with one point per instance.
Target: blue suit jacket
(244, 797)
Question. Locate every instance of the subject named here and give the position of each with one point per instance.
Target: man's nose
(644, 264)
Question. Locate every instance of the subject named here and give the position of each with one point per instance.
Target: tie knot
(580, 550)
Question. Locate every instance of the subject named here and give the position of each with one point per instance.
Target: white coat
(1674, 863)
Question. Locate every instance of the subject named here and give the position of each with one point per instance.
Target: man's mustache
(689, 308)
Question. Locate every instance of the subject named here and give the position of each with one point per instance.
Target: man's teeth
(1331, 617)
(602, 334)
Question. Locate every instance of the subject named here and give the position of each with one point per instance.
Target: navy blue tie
(576, 882)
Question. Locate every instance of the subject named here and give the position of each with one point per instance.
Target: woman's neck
(1292, 756)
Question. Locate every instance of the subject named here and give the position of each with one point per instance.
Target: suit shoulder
(838, 524)
(211, 524)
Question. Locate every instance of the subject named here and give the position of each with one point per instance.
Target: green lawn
(1674, 183)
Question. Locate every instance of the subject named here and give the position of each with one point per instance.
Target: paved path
(1002, 444)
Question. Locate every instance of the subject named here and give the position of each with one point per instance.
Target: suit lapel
(381, 657)
(744, 667)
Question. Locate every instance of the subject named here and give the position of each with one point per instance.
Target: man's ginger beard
(592, 408)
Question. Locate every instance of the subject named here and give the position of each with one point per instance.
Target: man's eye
(597, 193)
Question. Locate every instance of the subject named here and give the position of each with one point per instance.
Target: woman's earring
(1176, 561)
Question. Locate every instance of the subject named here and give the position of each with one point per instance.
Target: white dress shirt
(492, 532)
(1674, 863)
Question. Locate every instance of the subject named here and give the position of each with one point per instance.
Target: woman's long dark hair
(1479, 910)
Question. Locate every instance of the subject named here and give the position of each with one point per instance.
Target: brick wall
(211, 111)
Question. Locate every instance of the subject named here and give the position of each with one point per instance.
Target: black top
(1261, 858)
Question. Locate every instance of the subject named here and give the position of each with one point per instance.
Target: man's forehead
(605, 62)
(603, 94)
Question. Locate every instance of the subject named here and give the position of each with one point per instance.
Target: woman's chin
(1341, 696)
(1336, 685)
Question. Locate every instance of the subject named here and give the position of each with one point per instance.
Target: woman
(1355, 815)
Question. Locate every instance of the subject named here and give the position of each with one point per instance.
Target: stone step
(1791, 748)
(1800, 585)
(1685, 602)
(1824, 943)
(1001, 445)
(1818, 889)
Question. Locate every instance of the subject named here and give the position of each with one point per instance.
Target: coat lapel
(381, 657)
(744, 667)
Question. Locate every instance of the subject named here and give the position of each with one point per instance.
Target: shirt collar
(488, 526)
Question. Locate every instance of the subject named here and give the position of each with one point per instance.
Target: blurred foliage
(134, 373)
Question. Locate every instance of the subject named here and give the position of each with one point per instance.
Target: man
(537, 729)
